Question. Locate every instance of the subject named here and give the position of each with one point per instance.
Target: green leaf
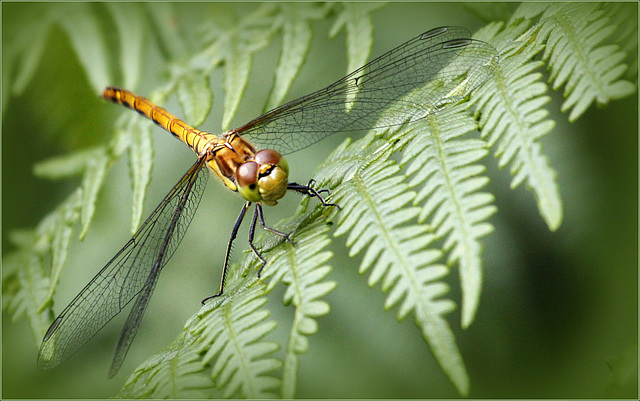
(67, 166)
(302, 268)
(236, 75)
(163, 19)
(230, 333)
(34, 286)
(622, 16)
(529, 10)
(91, 183)
(121, 139)
(37, 265)
(140, 165)
(296, 38)
(195, 97)
(444, 165)
(176, 372)
(376, 214)
(25, 285)
(30, 46)
(130, 23)
(66, 217)
(356, 19)
(577, 59)
(81, 25)
(513, 119)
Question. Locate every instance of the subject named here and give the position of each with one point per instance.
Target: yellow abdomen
(194, 138)
(224, 154)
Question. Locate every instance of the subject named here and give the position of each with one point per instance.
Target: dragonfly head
(264, 178)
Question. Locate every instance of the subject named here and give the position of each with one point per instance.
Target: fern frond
(444, 164)
(295, 21)
(376, 214)
(513, 118)
(233, 40)
(624, 17)
(590, 71)
(230, 334)
(176, 372)
(23, 52)
(69, 165)
(91, 164)
(301, 267)
(355, 18)
(82, 27)
(130, 133)
(38, 263)
(189, 79)
(194, 95)
(131, 27)
(140, 165)
(25, 285)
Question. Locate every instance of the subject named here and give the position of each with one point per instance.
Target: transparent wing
(436, 68)
(132, 272)
(130, 328)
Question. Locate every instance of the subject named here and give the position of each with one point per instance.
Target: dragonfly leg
(271, 230)
(258, 212)
(311, 192)
(234, 233)
(252, 229)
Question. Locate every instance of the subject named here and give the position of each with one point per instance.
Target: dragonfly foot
(288, 238)
(311, 192)
(264, 263)
(211, 297)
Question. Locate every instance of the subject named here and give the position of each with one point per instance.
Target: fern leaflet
(624, 17)
(513, 118)
(234, 40)
(356, 19)
(295, 19)
(25, 286)
(444, 164)
(176, 372)
(301, 267)
(573, 34)
(230, 334)
(376, 215)
(37, 263)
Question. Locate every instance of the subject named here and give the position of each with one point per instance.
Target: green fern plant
(379, 217)
(413, 220)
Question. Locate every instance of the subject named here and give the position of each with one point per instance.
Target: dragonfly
(420, 77)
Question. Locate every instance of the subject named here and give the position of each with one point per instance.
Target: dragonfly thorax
(258, 176)
(263, 179)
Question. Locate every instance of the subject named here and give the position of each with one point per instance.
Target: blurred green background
(555, 305)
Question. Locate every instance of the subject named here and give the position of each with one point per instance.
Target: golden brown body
(224, 154)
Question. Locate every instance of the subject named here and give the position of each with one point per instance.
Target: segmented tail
(193, 137)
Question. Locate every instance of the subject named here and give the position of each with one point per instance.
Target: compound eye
(247, 180)
(269, 157)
